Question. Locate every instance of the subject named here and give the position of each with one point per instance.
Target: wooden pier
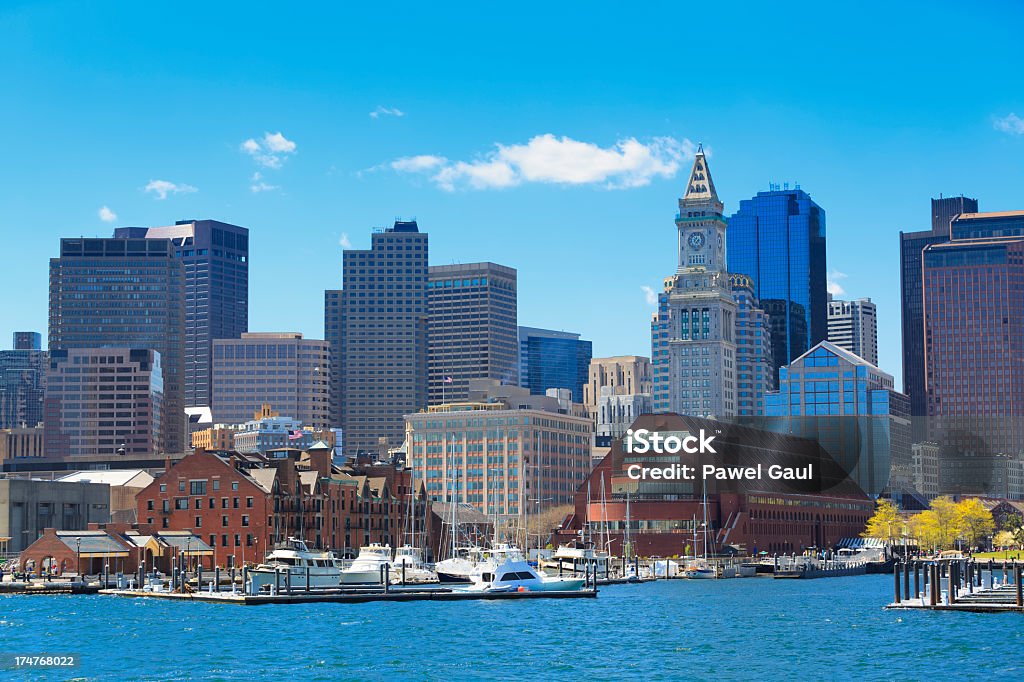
(958, 584)
(48, 587)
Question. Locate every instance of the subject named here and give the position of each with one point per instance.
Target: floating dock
(48, 587)
(958, 584)
(348, 596)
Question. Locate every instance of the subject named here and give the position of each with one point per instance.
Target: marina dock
(958, 584)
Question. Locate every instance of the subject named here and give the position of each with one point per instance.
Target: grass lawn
(998, 555)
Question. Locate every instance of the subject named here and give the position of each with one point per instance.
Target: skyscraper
(778, 239)
(693, 334)
(553, 359)
(376, 326)
(22, 382)
(911, 245)
(124, 293)
(284, 370)
(754, 376)
(973, 305)
(472, 328)
(216, 258)
(853, 325)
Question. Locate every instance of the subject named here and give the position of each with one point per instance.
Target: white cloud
(832, 283)
(106, 215)
(556, 160)
(163, 188)
(650, 295)
(270, 151)
(344, 242)
(386, 111)
(1011, 123)
(259, 185)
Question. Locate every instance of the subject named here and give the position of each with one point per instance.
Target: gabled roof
(309, 479)
(319, 445)
(92, 543)
(264, 478)
(840, 353)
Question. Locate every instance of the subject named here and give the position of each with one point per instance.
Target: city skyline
(326, 145)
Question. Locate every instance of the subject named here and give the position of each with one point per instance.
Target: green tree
(885, 524)
(973, 521)
(943, 522)
(1004, 539)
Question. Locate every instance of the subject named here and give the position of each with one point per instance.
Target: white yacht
(324, 568)
(368, 566)
(512, 575)
(458, 568)
(408, 563)
(576, 559)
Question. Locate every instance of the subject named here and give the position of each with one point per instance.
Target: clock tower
(699, 221)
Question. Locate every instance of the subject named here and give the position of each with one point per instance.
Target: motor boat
(408, 565)
(368, 567)
(576, 559)
(513, 575)
(470, 562)
(323, 567)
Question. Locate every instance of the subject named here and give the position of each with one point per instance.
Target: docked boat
(576, 559)
(700, 569)
(515, 575)
(294, 555)
(368, 567)
(408, 566)
(458, 568)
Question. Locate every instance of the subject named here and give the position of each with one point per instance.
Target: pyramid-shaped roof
(700, 188)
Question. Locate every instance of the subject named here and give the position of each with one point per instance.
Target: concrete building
(125, 293)
(623, 374)
(21, 442)
(268, 430)
(848, 406)
(377, 330)
(693, 333)
(125, 486)
(912, 312)
(216, 260)
(615, 413)
(22, 382)
(926, 463)
(472, 328)
(778, 239)
(754, 368)
(28, 506)
(853, 325)
(553, 359)
(505, 451)
(283, 369)
(105, 401)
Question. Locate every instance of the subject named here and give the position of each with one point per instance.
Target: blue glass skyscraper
(778, 239)
(553, 359)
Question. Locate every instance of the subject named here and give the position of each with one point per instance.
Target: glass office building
(553, 359)
(850, 407)
(778, 239)
(22, 382)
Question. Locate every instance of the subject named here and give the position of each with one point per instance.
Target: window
(163, 487)
(223, 540)
(224, 521)
(238, 540)
(181, 503)
(149, 505)
(223, 503)
(213, 503)
(164, 523)
(234, 503)
(248, 502)
(199, 503)
(234, 485)
(166, 506)
(245, 520)
(216, 484)
(197, 487)
(181, 486)
(199, 522)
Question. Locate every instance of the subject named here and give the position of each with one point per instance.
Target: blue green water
(675, 630)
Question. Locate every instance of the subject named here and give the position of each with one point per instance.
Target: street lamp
(78, 558)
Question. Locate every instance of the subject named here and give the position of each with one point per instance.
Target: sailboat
(700, 569)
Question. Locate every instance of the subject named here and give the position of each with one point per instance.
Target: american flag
(295, 435)
(448, 380)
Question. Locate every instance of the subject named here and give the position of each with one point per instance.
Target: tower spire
(700, 188)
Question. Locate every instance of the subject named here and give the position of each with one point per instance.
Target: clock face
(695, 240)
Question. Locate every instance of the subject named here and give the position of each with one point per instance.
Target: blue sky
(553, 139)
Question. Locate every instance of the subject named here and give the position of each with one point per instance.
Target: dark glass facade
(22, 385)
(778, 239)
(124, 293)
(552, 359)
(472, 328)
(216, 259)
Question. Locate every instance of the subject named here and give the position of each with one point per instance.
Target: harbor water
(667, 630)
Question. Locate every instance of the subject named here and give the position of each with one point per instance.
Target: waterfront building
(377, 330)
(850, 408)
(553, 359)
(754, 515)
(216, 260)
(925, 459)
(124, 293)
(115, 547)
(125, 486)
(912, 311)
(472, 328)
(288, 371)
(505, 451)
(693, 333)
(778, 239)
(105, 401)
(623, 374)
(973, 307)
(615, 412)
(30, 505)
(21, 442)
(754, 374)
(853, 325)
(22, 382)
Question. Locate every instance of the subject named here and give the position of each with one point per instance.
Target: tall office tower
(754, 376)
(911, 245)
(124, 293)
(622, 374)
(693, 334)
(285, 371)
(778, 239)
(553, 359)
(853, 325)
(471, 327)
(851, 409)
(22, 382)
(104, 401)
(216, 258)
(973, 296)
(28, 341)
(376, 327)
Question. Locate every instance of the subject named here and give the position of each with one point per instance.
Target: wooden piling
(1016, 583)
(896, 582)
